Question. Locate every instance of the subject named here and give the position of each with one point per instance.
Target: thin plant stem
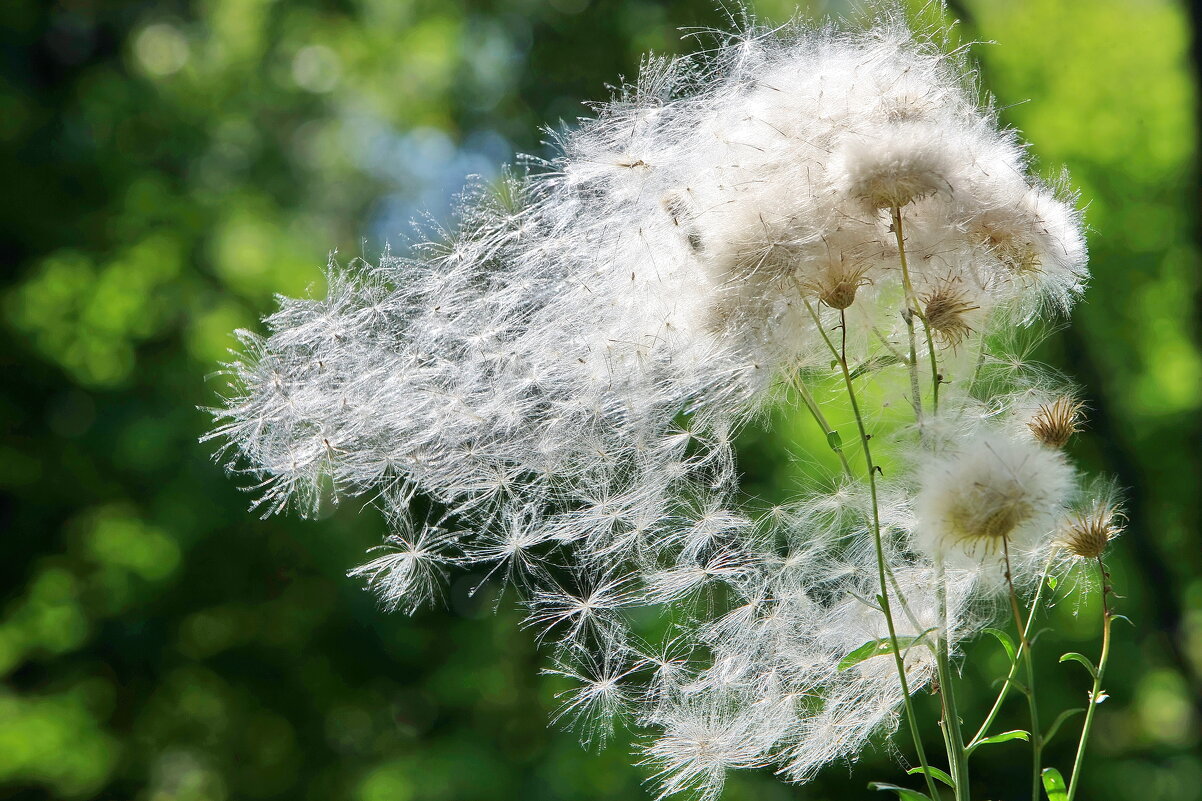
(913, 311)
(840, 357)
(820, 418)
(886, 607)
(953, 736)
(1107, 619)
(1028, 663)
(976, 372)
(1024, 639)
(888, 346)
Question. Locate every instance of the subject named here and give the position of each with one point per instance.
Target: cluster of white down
(560, 377)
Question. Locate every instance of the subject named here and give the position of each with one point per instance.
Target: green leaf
(1053, 783)
(878, 648)
(834, 440)
(1122, 617)
(1073, 656)
(1005, 640)
(874, 363)
(1004, 737)
(902, 792)
(1052, 582)
(934, 773)
(867, 651)
(1058, 722)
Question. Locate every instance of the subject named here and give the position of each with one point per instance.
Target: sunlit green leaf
(902, 792)
(934, 773)
(1053, 783)
(1005, 737)
(1004, 639)
(878, 648)
(1073, 656)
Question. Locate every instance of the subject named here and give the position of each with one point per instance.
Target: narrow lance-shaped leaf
(878, 648)
(1058, 722)
(903, 793)
(934, 773)
(1073, 656)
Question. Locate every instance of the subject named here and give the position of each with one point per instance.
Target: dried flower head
(946, 309)
(837, 281)
(1086, 534)
(1055, 423)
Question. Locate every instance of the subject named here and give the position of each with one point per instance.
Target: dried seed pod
(946, 310)
(1088, 533)
(1055, 423)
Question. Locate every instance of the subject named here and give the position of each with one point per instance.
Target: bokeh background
(167, 167)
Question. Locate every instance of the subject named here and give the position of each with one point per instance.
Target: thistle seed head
(896, 166)
(946, 308)
(1055, 423)
(1087, 534)
(563, 370)
(993, 492)
(837, 284)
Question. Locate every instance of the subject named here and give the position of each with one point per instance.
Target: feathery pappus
(562, 373)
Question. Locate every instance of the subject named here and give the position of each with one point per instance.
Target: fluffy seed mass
(557, 381)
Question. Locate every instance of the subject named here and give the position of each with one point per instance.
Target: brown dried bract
(945, 309)
(1056, 422)
(1087, 534)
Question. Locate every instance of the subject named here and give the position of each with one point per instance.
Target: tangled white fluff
(561, 376)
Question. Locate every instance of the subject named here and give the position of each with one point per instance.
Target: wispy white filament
(561, 375)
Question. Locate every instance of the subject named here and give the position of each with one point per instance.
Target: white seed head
(992, 495)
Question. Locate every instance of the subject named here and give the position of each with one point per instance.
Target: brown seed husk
(839, 282)
(945, 309)
(1086, 535)
(1055, 423)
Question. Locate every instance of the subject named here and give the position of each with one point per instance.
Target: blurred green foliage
(169, 166)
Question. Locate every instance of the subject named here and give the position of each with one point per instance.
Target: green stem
(840, 355)
(976, 373)
(820, 418)
(913, 311)
(1029, 665)
(1107, 619)
(957, 754)
(1024, 635)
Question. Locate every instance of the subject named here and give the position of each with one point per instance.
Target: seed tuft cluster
(548, 392)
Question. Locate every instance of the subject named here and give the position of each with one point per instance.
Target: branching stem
(1024, 640)
(957, 755)
(912, 311)
(820, 418)
(1029, 664)
(840, 354)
